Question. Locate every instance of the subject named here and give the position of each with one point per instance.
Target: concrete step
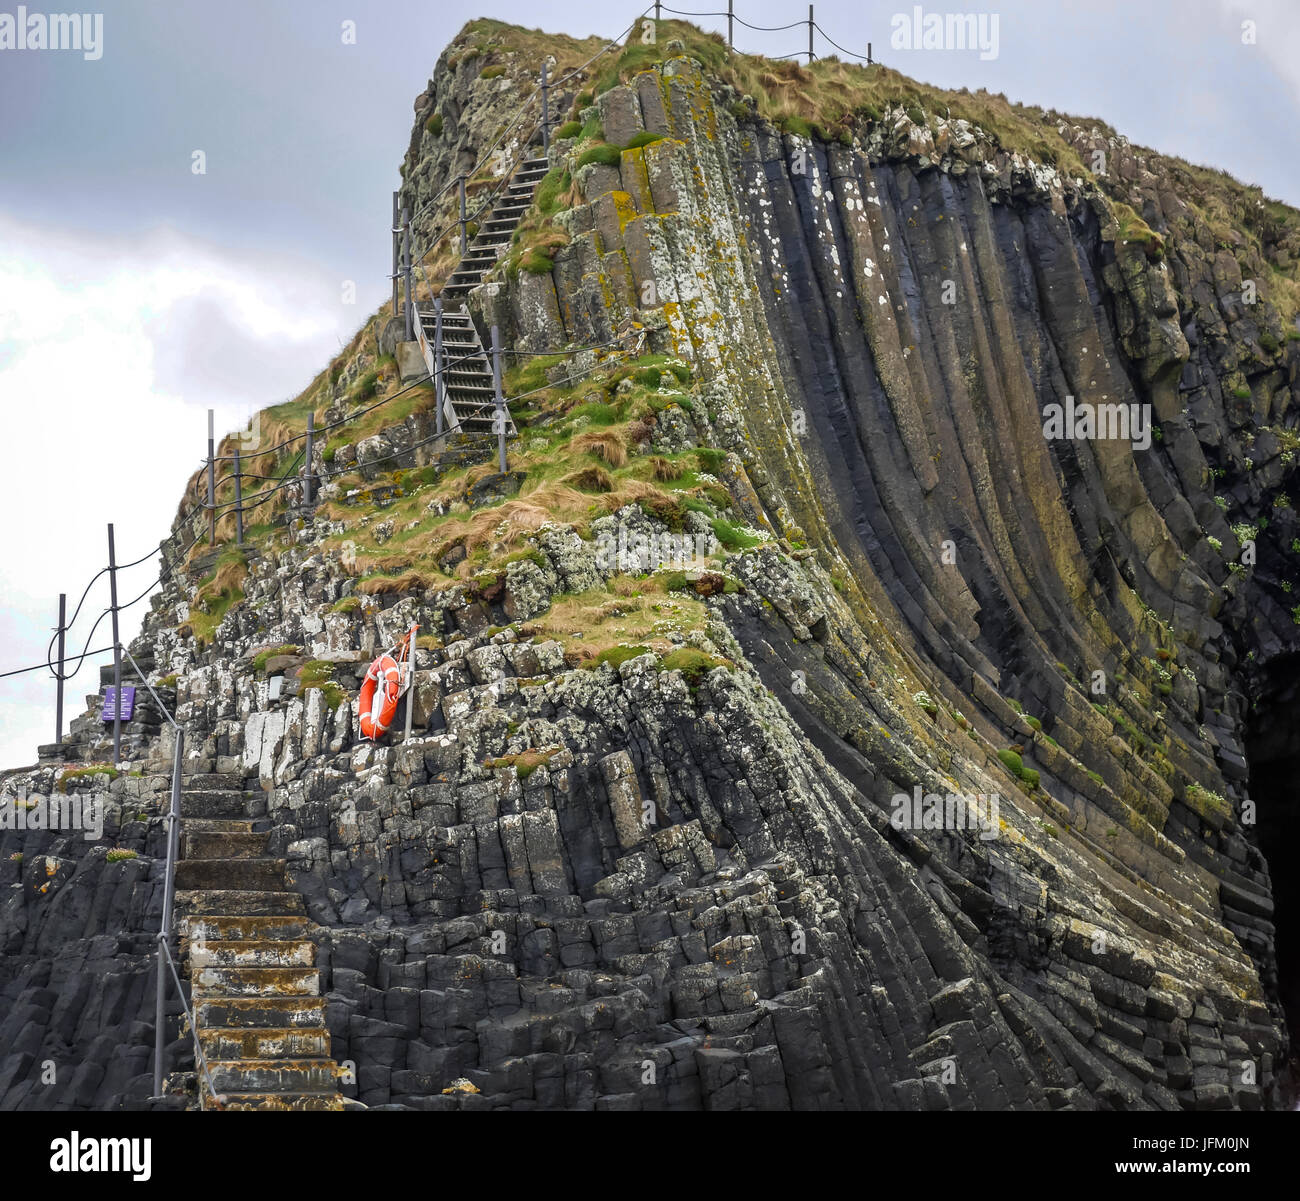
(254, 1013)
(240, 929)
(255, 981)
(223, 844)
(229, 780)
(231, 902)
(214, 803)
(225, 825)
(272, 1076)
(255, 952)
(265, 1042)
(244, 874)
(278, 1101)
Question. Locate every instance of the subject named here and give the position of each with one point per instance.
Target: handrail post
(410, 680)
(117, 652)
(58, 707)
(546, 113)
(396, 265)
(731, 44)
(212, 480)
(439, 384)
(164, 933)
(406, 274)
(658, 12)
(464, 241)
(239, 502)
(500, 402)
(311, 436)
(810, 34)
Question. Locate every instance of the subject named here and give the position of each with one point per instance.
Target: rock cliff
(930, 783)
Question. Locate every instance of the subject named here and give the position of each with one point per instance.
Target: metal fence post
(464, 240)
(870, 60)
(658, 10)
(173, 834)
(58, 709)
(396, 265)
(810, 34)
(500, 402)
(212, 480)
(406, 274)
(731, 43)
(546, 113)
(311, 442)
(117, 651)
(239, 502)
(439, 384)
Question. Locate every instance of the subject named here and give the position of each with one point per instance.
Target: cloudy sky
(135, 294)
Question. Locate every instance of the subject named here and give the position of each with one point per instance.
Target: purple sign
(128, 702)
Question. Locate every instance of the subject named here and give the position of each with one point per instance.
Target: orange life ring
(376, 706)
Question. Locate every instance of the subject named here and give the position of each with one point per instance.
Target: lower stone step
(265, 1042)
(262, 952)
(239, 929)
(232, 902)
(214, 803)
(318, 1101)
(246, 874)
(272, 1075)
(223, 844)
(223, 780)
(255, 981)
(259, 1012)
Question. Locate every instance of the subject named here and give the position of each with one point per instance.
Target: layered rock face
(953, 811)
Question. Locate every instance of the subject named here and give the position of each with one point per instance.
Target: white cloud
(110, 351)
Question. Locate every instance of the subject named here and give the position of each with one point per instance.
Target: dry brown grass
(605, 444)
(590, 479)
(665, 470)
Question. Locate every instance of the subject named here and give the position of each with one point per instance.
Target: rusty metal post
(439, 384)
(212, 480)
(117, 651)
(396, 264)
(239, 502)
(464, 240)
(311, 443)
(546, 113)
(58, 708)
(500, 416)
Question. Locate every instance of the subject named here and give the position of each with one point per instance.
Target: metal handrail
(169, 888)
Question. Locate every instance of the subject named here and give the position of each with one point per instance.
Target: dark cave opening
(1273, 752)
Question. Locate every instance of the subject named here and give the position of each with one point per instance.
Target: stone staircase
(470, 391)
(255, 990)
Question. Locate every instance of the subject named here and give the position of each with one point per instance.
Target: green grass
(1015, 765)
(644, 138)
(692, 663)
(604, 153)
(262, 658)
(731, 537)
(349, 604)
(85, 773)
(320, 675)
(118, 854)
(556, 181)
(570, 129)
(433, 126)
(615, 656)
(492, 72)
